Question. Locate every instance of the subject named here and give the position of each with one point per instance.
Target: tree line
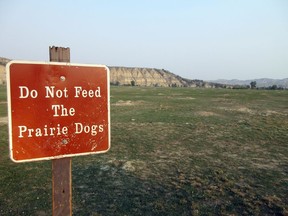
(253, 85)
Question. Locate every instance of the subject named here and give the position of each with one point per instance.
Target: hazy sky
(196, 39)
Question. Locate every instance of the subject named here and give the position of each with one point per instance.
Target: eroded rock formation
(134, 76)
(144, 77)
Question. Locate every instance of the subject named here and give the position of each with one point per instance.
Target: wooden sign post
(61, 168)
(58, 110)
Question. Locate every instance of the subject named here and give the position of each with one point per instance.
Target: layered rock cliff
(154, 77)
(144, 77)
(3, 62)
(133, 76)
(138, 77)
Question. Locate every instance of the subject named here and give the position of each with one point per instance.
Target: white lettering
(64, 111)
(22, 129)
(78, 128)
(25, 92)
(101, 128)
(77, 91)
(84, 93)
(51, 93)
(93, 129)
(45, 131)
(39, 131)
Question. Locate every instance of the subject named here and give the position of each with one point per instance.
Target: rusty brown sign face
(57, 110)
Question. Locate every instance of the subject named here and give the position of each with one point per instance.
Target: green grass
(3, 101)
(175, 151)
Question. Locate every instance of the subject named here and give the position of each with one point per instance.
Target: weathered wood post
(61, 168)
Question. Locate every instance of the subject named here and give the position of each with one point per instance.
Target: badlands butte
(127, 76)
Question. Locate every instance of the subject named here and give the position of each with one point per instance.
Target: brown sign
(57, 110)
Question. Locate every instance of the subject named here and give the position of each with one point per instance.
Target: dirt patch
(272, 112)
(241, 109)
(127, 103)
(186, 98)
(206, 114)
(245, 110)
(264, 166)
(263, 163)
(3, 120)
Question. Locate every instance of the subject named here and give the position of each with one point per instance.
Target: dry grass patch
(240, 109)
(206, 113)
(3, 120)
(128, 103)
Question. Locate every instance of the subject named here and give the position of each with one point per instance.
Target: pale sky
(196, 39)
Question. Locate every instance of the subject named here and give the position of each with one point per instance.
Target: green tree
(253, 84)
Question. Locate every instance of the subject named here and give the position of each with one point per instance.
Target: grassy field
(175, 151)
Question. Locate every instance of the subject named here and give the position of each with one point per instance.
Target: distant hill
(152, 77)
(139, 77)
(161, 77)
(264, 82)
(3, 62)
